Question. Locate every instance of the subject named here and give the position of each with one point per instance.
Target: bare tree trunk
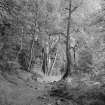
(21, 47)
(44, 64)
(52, 66)
(74, 56)
(68, 54)
(31, 54)
(33, 38)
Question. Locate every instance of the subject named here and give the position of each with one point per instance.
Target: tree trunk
(44, 64)
(33, 38)
(21, 47)
(52, 66)
(68, 54)
(31, 54)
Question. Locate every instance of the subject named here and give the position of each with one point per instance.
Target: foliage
(85, 60)
(17, 30)
(21, 22)
(8, 47)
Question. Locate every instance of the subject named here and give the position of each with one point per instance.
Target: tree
(8, 13)
(70, 29)
(68, 55)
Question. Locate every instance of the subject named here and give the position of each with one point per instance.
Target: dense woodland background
(28, 27)
(59, 37)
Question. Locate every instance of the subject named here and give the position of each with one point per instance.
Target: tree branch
(74, 9)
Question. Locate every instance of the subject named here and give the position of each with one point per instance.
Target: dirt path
(22, 93)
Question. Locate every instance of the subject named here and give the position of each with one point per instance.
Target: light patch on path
(48, 79)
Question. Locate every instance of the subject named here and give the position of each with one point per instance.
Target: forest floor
(21, 89)
(16, 90)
